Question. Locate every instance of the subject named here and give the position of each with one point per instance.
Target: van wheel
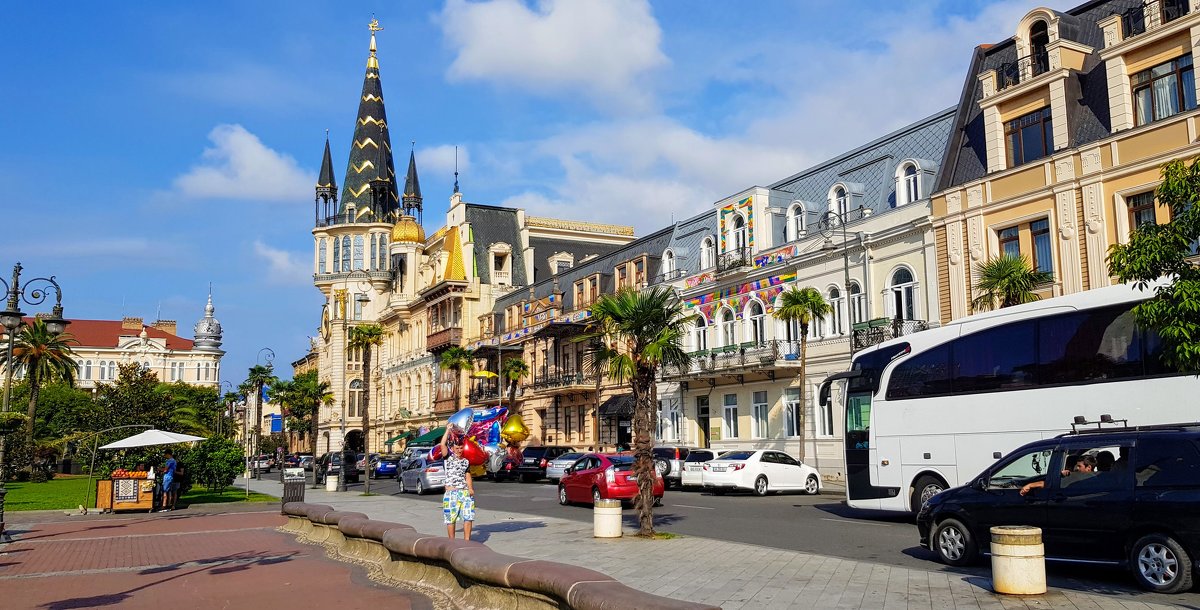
(925, 488)
(403, 489)
(1160, 564)
(953, 543)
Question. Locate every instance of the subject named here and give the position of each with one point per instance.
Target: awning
(620, 405)
(152, 437)
(432, 437)
(400, 437)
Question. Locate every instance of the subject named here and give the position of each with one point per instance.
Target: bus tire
(926, 487)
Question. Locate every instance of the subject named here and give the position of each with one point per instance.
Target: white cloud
(283, 267)
(602, 48)
(240, 166)
(440, 160)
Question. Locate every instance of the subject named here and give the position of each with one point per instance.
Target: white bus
(930, 410)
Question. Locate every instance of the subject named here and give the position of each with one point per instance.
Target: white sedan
(761, 471)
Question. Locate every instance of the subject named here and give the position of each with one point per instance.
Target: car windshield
(736, 455)
(534, 451)
(621, 462)
(699, 456)
(568, 457)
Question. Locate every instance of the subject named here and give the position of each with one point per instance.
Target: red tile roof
(107, 333)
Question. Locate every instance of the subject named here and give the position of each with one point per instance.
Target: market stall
(134, 489)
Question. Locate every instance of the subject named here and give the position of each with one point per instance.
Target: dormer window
(1029, 137)
(708, 253)
(795, 221)
(668, 264)
(1039, 37)
(910, 185)
(739, 234)
(1164, 90)
(501, 254)
(841, 201)
(561, 262)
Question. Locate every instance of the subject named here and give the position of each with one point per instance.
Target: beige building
(1059, 140)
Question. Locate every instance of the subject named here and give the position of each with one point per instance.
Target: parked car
(293, 460)
(597, 476)
(668, 461)
(412, 453)
(692, 473)
(534, 461)
(1120, 496)
(307, 461)
(262, 462)
(384, 466)
(555, 468)
(332, 462)
(422, 475)
(761, 471)
(360, 461)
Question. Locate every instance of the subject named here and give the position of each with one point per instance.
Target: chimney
(131, 324)
(167, 326)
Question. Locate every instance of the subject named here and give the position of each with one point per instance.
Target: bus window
(925, 374)
(869, 367)
(1001, 358)
(1089, 345)
(858, 421)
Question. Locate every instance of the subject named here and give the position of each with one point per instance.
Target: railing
(734, 259)
(347, 218)
(669, 276)
(1025, 68)
(562, 380)
(485, 393)
(451, 336)
(501, 277)
(1140, 19)
(866, 334)
(744, 356)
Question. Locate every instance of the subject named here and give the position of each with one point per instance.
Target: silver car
(422, 475)
(555, 468)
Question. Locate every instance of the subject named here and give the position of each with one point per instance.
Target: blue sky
(148, 149)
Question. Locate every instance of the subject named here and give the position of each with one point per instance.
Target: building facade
(1059, 137)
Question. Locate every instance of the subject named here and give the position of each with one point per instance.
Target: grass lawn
(65, 492)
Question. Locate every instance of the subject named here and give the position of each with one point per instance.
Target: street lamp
(32, 292)
(829, 223)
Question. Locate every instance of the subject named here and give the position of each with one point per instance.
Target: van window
(1025, 468)
(1167, 462)
(1093, 469)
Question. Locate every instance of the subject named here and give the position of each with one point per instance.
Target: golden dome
(408, 230)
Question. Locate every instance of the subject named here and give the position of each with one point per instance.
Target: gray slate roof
(492, 224)
(544, 247)
(688, 236)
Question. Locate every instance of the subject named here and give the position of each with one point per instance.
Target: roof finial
(374, 27)
(412, 146)
(455, 168)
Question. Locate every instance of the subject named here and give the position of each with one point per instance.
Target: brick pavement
(233, 560)
(733, 575)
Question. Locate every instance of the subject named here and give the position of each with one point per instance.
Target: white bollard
(606, 519)
(331, 482)
(1018, 560)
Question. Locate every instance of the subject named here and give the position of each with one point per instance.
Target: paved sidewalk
(197, 561)
(732, 575)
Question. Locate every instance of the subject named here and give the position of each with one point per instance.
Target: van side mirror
(980, 484)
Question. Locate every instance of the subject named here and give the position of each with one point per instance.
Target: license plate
(693, 468)
(529, 461)
(718, 469)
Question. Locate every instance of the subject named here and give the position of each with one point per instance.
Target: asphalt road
(820, 524)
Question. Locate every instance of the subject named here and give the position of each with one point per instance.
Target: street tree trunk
(643, 443)
(313, 431)
(34, 389)
(366, 408)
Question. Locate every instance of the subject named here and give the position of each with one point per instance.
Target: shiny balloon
(493, 435)
(474, 454)
(461, 420)
(495, 462)
(514, 430)
(491, 448)
(477, 470)
(436, 453)
(487, 415)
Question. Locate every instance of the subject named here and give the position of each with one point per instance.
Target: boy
(458, 503)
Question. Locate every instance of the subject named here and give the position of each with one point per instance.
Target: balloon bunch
(480, 432)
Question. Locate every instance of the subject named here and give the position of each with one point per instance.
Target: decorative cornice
(577, 225)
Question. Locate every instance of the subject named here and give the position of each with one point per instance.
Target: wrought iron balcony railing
(564, 380)
(733, 260)
(1023, 69)
(866, 334)
(751, 355)
(1149, 15)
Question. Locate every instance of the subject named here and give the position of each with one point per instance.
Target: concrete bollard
(1018, 560)
(606, 519)
(331, 482)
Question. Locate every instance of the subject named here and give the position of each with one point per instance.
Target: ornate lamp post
(829, 223)
(32, 292)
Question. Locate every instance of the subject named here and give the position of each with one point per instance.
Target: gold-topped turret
(374, 26)
(408, 230)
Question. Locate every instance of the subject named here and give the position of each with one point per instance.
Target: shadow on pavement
(630, 518)
(483, 532)
(841, 510)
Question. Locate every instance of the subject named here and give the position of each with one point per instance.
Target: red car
(597, 476)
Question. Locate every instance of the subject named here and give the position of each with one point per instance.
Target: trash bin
(294, 483)
(1018, 560)
(606, 519)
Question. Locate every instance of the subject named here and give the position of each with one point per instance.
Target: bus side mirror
(823, 394)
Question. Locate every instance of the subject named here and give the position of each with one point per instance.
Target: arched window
(756, 326)
(358, 252)
(112, 369)
(909, 188)
(337, 254)
(708, 253)
(903, 289)
(383, 253)
(795, 222)
(668, 264)
(87, 369)
(816, 328)
(321, 255)
(700, 340)
(841, 201)
(837, 307)
(739, 236)
(858, 304)
(345, 253)
(728, 328)
(1039, 37)
(352, 409)
(207, 371)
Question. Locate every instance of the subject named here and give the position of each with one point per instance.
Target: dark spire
(455, 170)
(412, 188)
(327, 190)
(371, 152)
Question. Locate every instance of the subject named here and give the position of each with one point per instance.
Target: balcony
(1015, 72)
(562, 383)
(733, 260)
(669, 276)
(739, 358)
(447, 337)
(1150, 15)
(484, 393)
(866, 334)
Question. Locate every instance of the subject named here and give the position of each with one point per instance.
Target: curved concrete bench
(468, 574)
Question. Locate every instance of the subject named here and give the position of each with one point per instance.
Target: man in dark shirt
(168, 483)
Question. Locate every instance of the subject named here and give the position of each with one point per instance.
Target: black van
(1121, 496)
(534, 461)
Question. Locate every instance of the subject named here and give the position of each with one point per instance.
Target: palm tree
(636, 333)
(1008, 279)
(283, 393)
(363, 337)
(458, 359)
(258, 377)
(228, 400)
(512, 371)
(801, 306)
(312, 394)
(42, 356)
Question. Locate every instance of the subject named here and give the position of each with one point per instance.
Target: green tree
(1008, 280)
(1157, 251)
(42, 357)
(636, 333)
(195, 409)
(132, 399)
(801, 306)
(365, 337)
(459, 360)
(512, 371)
(309, 394)
(214, 462)
(258, 377)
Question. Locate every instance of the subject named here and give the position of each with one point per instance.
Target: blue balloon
(494, 433)
(489, 414)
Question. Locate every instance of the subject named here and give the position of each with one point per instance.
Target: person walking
(458, 501)
(168, 483)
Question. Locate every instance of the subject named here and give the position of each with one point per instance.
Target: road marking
(857, 522)
(690, 506)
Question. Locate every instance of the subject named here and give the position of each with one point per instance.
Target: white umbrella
(152, 437)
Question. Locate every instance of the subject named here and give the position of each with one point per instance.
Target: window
(841, 201)
(904, 294)
(668, 264)
(337, 254)
(594, 286)
(739, 238)
(795, 222)
(639, 271)
(498, 260)
(321, 254)
(708, 253)
(910, 185)
(359, 299)
(759, 413)
(1089, 345)
(925, 374)
(1043, 260)
(353, 409)
(374, 250)
(730, 417)
(837, 320)
(1014, 474)
(382, 264)
(996, 359)
(816, 328)
(87, 369)
(1167, 462)
(824, 424)
(1141, 210)
(1010, 241)
(728, 329)
(112, 369)
(701, 334)
(756, 323)
(670, 422)
(1164, 90)
(622, 276)
(358, 252)
(858, 304)
(579, 302)
(345, 253)
(1029, 137)
(792, 423)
